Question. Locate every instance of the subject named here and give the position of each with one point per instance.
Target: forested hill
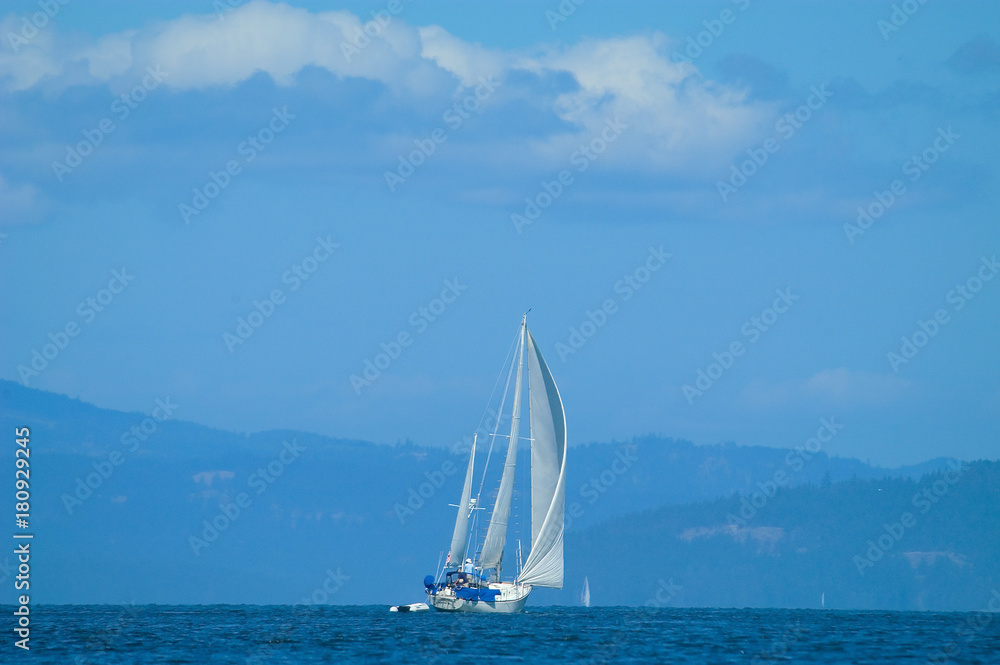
(891, 543)
(133, 506)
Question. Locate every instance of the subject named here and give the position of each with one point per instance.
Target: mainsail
(496, 534)
(460, 536)
(544, 566)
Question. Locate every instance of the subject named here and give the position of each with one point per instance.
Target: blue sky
(629, 141)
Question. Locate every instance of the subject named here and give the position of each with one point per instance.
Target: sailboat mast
(496, 534)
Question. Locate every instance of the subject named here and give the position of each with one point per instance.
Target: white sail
(585, 596)
(544, 566)
(452, 591)
(459, 537)
(496, 534)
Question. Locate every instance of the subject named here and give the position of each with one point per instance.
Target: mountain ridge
(236, 517)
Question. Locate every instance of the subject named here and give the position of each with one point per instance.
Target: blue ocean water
(259, 635)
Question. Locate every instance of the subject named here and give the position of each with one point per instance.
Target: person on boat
(468, 568)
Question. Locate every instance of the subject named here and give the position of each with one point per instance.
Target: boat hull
(412, 607)
(510, 601)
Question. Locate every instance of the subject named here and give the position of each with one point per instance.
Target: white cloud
(208, 477)
(680, 120)
(25, 62)
(110, 56)
(835, 387)
(18, 203)
(466, 61)
(677, 121)
(202, 51)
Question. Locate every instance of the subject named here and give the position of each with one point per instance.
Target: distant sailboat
(475, 586)
(585, 596)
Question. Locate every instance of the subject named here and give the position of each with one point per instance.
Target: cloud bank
(676, 117)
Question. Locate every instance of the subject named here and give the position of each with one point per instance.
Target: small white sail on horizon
(585, 595)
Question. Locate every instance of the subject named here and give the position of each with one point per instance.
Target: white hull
(510, 601)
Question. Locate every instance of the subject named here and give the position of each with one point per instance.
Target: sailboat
(470, 580)
(585, 595)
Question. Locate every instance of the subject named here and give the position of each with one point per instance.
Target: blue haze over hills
(231, 77)
(369, 521)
